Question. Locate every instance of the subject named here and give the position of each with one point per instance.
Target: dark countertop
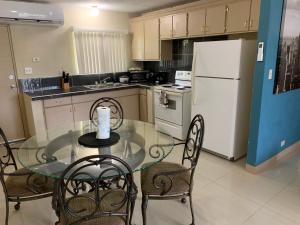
(81, 90)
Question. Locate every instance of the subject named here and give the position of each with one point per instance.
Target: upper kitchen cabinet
(238, 16)
(166, 27)
(254, 15)
(138, 40)
(215, 19)
(152, 46)
(180, 25)
(196, 22)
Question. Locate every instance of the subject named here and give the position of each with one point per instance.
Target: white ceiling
(130, 6)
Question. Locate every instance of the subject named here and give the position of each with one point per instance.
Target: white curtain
(101, 52)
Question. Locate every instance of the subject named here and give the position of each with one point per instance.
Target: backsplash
(182, 56)
(50, 83)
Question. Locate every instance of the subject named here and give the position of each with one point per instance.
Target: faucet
(103, 81)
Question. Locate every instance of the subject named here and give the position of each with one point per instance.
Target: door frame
(20, 99)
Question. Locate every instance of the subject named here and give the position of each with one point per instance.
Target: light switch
(36, 59)
(260, 52)
(28, 70)
(270, 77)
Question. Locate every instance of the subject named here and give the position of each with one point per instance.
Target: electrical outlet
(36, 59)
(270, 74)
(282, 143)
(28, 70)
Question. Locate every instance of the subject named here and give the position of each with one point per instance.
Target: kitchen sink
(104, 85)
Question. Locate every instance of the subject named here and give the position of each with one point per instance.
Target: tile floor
(224, 194)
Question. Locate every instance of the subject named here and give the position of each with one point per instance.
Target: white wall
(54, 45)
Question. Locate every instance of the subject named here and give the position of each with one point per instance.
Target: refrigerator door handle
(194, 98)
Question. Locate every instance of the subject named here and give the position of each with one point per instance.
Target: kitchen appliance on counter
(221, 93)
(145, 76)
(172, 104)
(138, 76)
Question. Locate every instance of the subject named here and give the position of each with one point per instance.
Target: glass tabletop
(49, 153)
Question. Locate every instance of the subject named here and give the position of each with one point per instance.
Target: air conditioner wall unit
(31, 13)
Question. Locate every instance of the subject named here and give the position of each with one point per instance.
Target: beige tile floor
(224, 194)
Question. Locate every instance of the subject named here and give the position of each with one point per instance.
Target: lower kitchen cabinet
(58, 112)
(81, 111)
(143, 105)
(130, 105)
(150, 106)
(58, 116)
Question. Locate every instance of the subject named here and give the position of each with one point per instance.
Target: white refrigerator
(221, 93)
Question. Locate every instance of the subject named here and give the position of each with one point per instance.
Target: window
(101, 51)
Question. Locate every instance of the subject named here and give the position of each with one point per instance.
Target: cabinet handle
(251, 23)
(227, 9)
(246, 24)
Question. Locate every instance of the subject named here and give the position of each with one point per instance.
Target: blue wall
(274, 117)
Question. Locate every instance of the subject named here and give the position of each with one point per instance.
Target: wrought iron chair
(116, 111)
(167, 180)
(21, 184)
(104, 201)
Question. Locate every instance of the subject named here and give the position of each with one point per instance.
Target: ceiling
(130, 6)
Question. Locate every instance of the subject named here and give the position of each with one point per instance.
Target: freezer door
(217, 59)
(216, 100)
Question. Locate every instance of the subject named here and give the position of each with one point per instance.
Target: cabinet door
(215, 19)
(238, 16)
(196, 22)
(152, 47)
(180, 25)
(138, 42)
(254, 16)
(130, 105)
(166, 27)
(59, 116)
(81, 111)
(150, 108)
(143, 108)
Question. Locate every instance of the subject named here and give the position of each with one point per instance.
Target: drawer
(113, 94)
(170, 129)
(57, 102)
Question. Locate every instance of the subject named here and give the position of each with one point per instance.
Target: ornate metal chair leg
(7, 212)
(134, 195)
(192, 211)
(144, 208)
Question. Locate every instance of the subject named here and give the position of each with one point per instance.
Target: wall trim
(284, 155)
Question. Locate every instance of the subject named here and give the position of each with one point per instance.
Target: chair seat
(21, 186)
(85, 205)
(180, 183)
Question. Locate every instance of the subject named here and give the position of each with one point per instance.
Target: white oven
(172, 112)
(173, 106)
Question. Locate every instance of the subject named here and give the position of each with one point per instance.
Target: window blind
(101, 52)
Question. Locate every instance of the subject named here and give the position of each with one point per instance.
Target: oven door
(171, 113)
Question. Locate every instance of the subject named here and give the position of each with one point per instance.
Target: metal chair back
(6, 157)
(116, 111)
(96, 181)
(194, 141)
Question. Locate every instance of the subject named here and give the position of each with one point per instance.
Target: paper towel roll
(103, 123)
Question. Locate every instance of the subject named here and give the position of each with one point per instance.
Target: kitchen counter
(81, 90)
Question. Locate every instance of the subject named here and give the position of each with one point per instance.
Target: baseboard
(285, 154)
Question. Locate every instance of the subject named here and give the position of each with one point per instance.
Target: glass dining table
(50, 152)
